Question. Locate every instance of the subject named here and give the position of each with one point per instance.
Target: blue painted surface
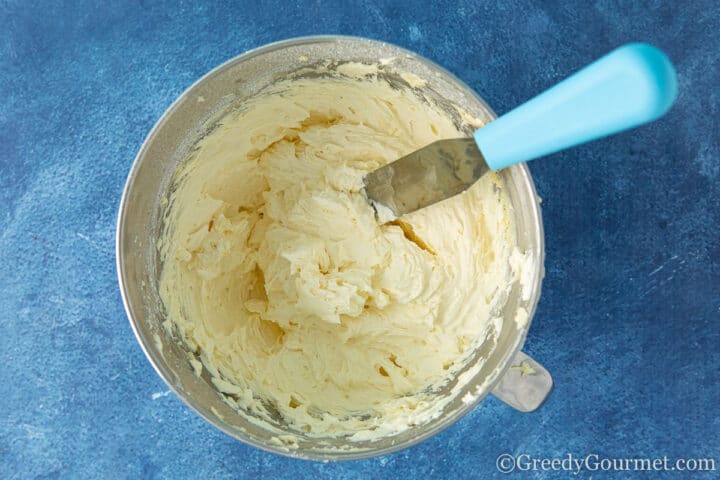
(628, 322)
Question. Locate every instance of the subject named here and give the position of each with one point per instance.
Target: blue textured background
(629, 318)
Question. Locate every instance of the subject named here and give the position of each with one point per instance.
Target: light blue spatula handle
(628, 87)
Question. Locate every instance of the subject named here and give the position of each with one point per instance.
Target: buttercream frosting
(299, 304)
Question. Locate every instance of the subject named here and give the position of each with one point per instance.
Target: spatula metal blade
(438, 171)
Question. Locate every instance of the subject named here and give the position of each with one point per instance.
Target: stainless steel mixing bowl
(140, 223)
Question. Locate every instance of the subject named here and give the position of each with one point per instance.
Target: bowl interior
(144, 201)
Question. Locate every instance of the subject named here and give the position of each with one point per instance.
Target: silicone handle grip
(631, 85)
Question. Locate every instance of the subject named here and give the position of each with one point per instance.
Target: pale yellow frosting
(277, 272)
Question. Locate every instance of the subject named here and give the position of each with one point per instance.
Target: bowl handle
(526, 384)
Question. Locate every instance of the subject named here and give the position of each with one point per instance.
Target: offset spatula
(632, 85)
